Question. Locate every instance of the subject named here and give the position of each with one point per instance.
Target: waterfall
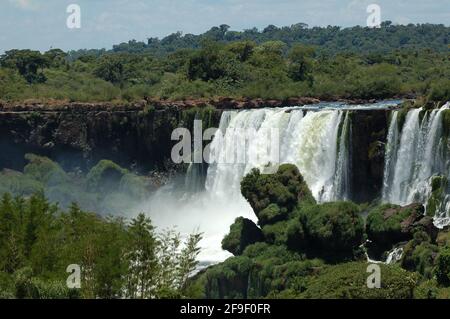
(413, 157)
(391, 154)
(342, 175)
(316, 142)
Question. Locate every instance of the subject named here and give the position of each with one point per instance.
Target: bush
(271, 214)
(419, 255)
(443, 266)
(276, 233)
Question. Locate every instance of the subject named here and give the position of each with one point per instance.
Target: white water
(309, 141)
(413, 157)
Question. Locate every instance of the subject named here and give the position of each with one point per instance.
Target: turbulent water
(414, 154)
(314, 141)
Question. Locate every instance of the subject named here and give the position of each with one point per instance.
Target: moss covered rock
(330, 230)
(44, 170)
(439, 186)
(262, 270)
(419, 255)
(242, 234)
(285, 189)
(105, 176)
(389, 224)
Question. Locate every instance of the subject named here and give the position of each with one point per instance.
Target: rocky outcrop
(388, 225)
(242, 233)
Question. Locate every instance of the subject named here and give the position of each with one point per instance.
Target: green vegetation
(242, 234)
(349, 281)
(310, 250)
(331, 230)
(107, 188)
(386, 224)
(443, 266)
(331, 39)
(277, 63)
(118, 259)
(438, 191)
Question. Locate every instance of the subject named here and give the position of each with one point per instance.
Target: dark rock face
(79, 137)
(368, 139)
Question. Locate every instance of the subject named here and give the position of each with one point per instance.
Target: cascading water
(312, 142)
(413, 157)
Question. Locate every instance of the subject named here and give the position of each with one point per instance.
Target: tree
(29, 64)
(242, 49)
(142, 258)
(56, 57)
(301, 63)
(212, 63)
(111, 68)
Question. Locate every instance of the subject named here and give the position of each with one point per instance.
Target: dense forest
(330, 40)
(277, 63)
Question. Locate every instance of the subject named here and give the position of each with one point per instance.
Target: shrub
(419, 255)
(443, 266)
(384, 224)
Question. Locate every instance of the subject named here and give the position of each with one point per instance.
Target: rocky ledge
(219, 103)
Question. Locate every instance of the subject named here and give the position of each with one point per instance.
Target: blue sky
(41, 24)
